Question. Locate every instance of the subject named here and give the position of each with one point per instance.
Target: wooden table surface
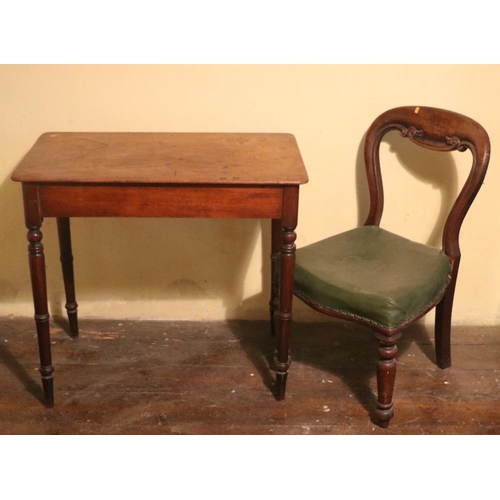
(163, 158)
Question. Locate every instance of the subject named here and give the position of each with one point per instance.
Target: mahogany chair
(376, 278)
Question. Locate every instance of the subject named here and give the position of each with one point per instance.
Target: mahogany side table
(224, 175)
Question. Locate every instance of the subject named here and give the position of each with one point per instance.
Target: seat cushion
(372, 274)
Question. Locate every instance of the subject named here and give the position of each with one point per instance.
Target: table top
(163, 158)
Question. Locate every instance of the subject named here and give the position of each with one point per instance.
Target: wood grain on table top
(163, 158)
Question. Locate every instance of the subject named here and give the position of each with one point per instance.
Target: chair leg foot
(383, 423)
(443, 364)
(384, 414)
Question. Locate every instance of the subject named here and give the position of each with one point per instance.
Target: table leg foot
(281, 370)
(48, 385)
(281, 386)
(73, 320)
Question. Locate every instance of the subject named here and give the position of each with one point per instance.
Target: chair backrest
(439, 130)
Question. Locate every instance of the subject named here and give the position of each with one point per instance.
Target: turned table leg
(64, 232)
(39, 286)
(36, 259)
(275, 271)
(283, 316)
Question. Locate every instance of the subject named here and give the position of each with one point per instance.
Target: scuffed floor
(155, 377)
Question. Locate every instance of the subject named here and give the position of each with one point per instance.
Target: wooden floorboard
(156, 377)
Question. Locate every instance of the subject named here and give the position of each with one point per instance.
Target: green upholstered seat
(372, 274)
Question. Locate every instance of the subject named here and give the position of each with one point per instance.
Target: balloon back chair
(379, 279)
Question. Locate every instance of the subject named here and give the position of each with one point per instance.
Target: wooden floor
(154, 377)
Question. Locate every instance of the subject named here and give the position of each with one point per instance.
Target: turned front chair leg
(39, 286)
(64, 232)
(284, 313)
(386, 377)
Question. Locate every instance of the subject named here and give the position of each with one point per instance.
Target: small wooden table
(220, 175)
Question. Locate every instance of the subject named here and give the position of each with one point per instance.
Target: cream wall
(213, 269)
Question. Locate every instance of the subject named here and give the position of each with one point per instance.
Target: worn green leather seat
(371, 274)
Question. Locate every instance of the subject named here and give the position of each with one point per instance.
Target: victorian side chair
(374, 277)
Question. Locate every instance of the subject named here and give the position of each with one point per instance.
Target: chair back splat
(374, 277)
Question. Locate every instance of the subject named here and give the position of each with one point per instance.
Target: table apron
(160, 201)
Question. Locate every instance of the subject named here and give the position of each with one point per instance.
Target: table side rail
(56, 200)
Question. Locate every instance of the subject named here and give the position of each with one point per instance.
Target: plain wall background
(214, 269)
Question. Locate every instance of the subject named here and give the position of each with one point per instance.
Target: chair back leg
(442, 327)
